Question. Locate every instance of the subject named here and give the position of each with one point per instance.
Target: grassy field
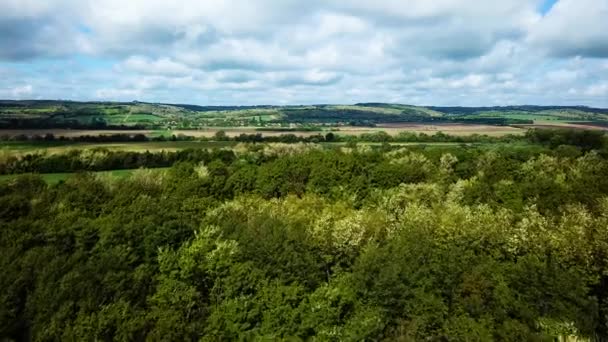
(554, 116)
(393, 129)
(26, 147)
(54, 178)
(19, 147)
(451, 129)
(209, 132)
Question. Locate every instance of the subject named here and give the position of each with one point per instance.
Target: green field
(63, 146)
(133, 119)
(54, 178)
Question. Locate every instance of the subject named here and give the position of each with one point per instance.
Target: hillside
(141, 115)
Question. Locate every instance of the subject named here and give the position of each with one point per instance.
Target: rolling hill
(141, 115)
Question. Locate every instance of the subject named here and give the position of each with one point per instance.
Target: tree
(220, 135)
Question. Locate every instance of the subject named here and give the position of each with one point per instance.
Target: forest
(302, 241)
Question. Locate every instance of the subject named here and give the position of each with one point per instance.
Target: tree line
(587, 139)
(557, 142)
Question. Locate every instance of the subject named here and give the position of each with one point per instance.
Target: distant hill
(527, 108)
(142, 115)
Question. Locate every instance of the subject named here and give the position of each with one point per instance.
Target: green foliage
(294, 242)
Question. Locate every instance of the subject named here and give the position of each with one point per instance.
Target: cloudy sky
(440, 52)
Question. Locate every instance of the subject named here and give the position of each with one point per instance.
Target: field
(390, 128)
(573, 125)
(20, 147)
(54, 178)
(451, 129)
(26, 147)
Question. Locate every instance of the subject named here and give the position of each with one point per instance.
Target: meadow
(24, 147)
(54, 178)
(210, 132)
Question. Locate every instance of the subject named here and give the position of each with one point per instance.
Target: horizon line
(301, 104)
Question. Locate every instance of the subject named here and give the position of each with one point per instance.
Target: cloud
(31, 29)
(22, 91)
(599, 89)
(312, 77)
(110, 94)
(289, 51)
(573, 28)
(162, 66)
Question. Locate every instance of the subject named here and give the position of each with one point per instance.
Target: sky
(244, 52)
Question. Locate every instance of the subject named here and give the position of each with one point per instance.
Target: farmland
(22, 147)
(54, 178)
(149, 117)
(208, 132)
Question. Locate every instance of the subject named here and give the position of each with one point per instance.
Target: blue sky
(441, 52)
(546, 6)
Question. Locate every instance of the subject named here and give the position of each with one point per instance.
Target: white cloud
(599, 89)
(112, 94)
(22, 91)
(272, 51)
(162, 66)
(573, 28)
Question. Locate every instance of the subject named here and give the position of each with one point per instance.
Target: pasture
(210, 132)
(22, 147)
(54, 178)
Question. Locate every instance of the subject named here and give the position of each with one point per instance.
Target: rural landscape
(348, 223)
(345, 119)
(272, 170)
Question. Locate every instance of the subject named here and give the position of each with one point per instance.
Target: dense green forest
(506, 242)
(140, 115)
